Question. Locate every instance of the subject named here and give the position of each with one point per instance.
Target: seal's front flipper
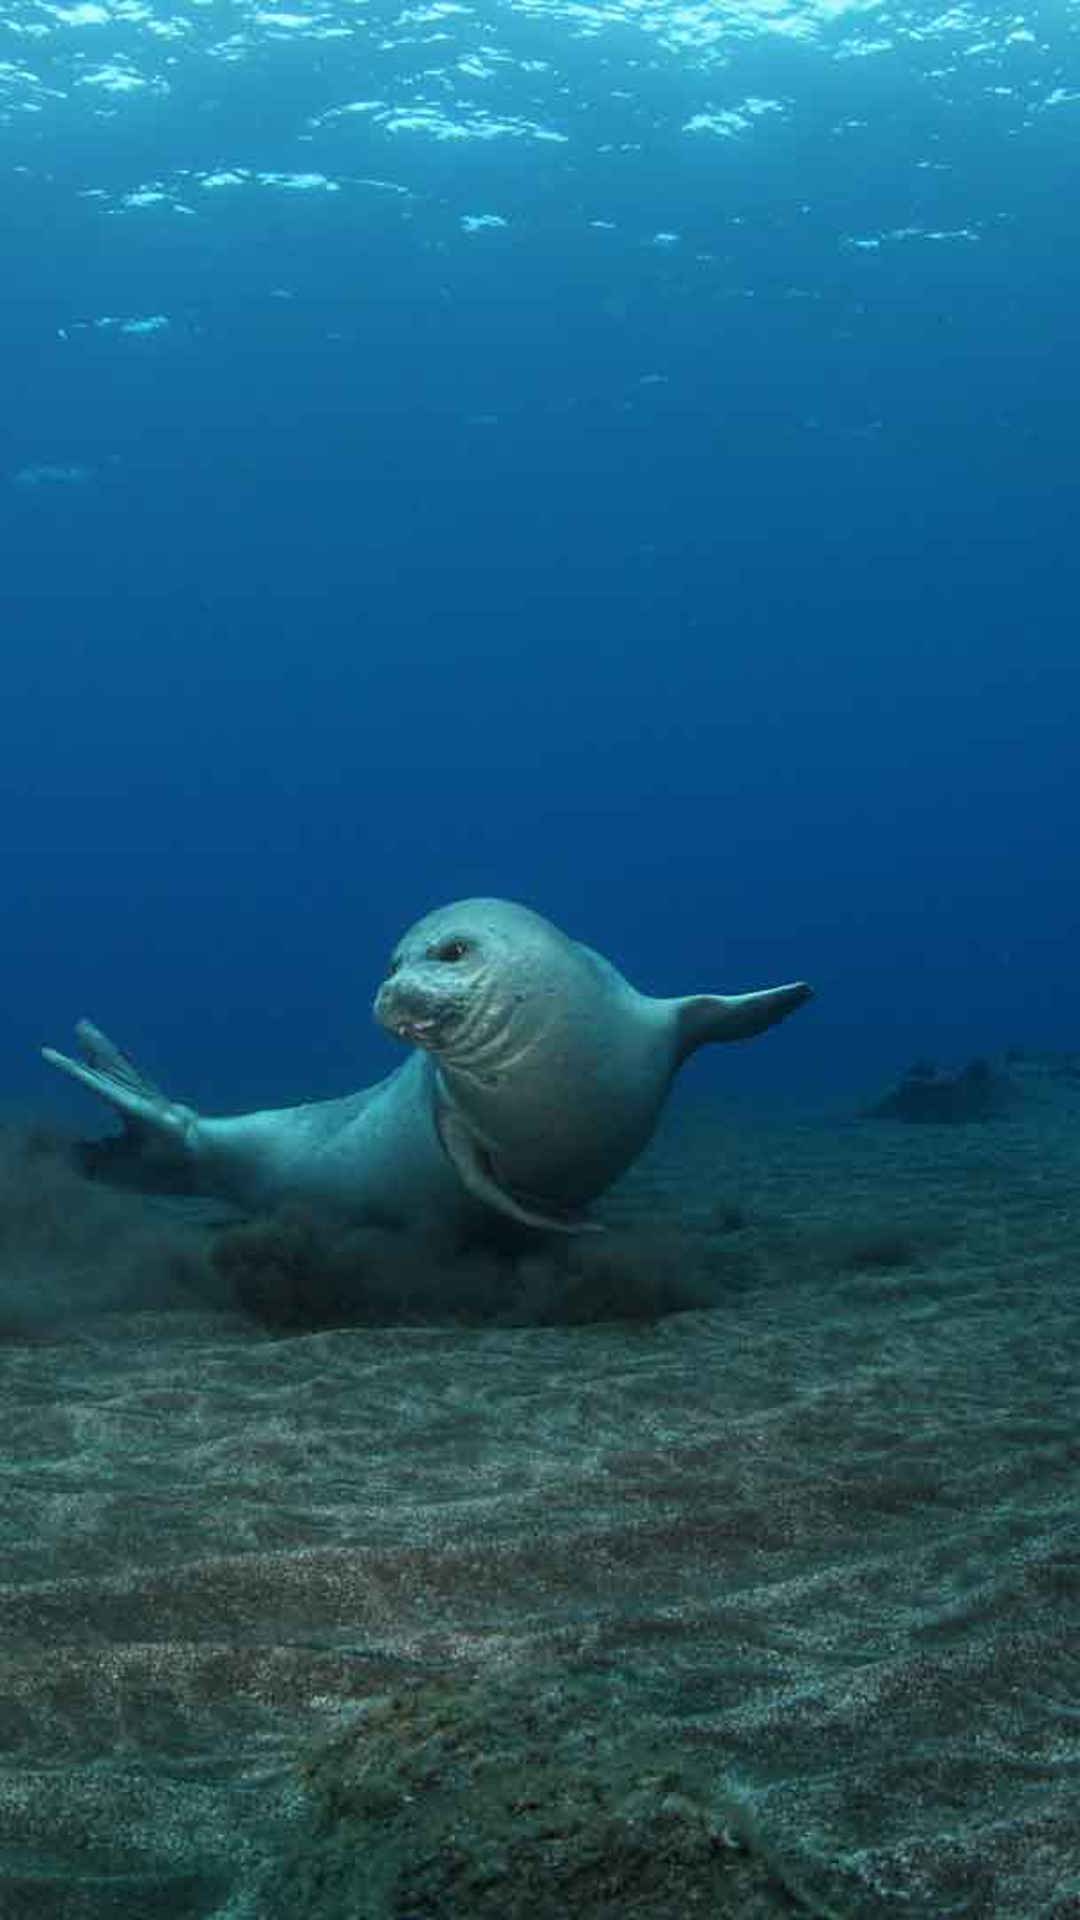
(473, 1167)
(108, 1072)
(736, 1016)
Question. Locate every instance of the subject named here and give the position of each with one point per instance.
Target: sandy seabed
(763, 1607)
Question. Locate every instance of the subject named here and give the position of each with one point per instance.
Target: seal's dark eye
(451, 950)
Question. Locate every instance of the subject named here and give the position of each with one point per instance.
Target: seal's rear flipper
(108, 1072)
(737, 1016)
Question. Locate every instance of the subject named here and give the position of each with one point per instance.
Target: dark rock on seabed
(928, 1094)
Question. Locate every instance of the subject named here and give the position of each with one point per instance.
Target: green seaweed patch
(528, 1799)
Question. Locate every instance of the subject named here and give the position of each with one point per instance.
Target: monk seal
(537, 1076)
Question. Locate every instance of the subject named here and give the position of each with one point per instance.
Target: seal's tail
(108, 1072)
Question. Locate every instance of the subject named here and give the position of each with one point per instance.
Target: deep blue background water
(692, 556)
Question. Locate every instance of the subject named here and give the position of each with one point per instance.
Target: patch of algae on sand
(519, 1800)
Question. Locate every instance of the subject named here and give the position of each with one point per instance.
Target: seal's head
(501, 1000)
(463, 982)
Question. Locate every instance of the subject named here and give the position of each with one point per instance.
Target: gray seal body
(538, 1076)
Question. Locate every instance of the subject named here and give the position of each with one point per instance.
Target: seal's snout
(409, 1009)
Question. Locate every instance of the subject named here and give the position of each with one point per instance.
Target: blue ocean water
(622, 457)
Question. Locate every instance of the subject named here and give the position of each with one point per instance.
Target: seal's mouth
(419, 1033)
(412, 1017)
